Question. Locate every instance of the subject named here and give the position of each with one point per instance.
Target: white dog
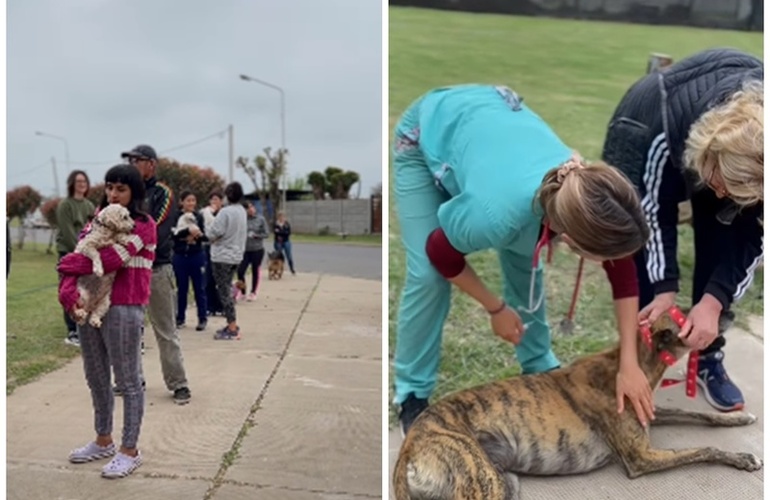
(186, 221)
(112, 225)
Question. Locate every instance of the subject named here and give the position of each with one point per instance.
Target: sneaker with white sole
(72, 339)
(91, 452)
(121, 466)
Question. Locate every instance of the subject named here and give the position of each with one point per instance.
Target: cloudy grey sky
(110, 74)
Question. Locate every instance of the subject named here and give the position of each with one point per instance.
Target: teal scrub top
(489, 152)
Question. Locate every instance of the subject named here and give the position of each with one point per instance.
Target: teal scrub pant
(426, 294)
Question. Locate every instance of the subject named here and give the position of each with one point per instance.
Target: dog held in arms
(471, 444)
(113, 224)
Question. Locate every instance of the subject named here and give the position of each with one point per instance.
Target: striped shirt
(132, 263)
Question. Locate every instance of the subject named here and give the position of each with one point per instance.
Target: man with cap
(160, 204)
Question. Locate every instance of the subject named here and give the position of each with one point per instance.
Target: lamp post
(283, 124)
(66, 155)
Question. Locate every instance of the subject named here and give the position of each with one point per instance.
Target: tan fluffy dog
(113, 224)
(471, 444)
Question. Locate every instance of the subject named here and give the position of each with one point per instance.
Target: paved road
(342, 260)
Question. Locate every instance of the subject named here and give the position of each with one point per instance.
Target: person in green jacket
(72, 214)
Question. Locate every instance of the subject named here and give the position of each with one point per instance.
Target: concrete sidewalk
(303, 385)
(744, 362)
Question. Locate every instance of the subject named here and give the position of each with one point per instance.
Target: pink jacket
(133, 264)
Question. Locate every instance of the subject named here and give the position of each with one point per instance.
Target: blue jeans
(186, 268)
(285, 247)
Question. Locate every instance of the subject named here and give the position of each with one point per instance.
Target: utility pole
(55, 177)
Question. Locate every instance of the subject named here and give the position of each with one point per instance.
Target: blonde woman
(476, 169)
(695, 131)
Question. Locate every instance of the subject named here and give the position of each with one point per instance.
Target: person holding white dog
(190, 259)
(117, 343)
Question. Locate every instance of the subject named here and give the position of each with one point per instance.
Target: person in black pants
(255, 250)
(190, 260)
(72, 215)
(282, 242)
(694, 131)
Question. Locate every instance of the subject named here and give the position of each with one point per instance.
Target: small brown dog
(471, 444)
(275, 265)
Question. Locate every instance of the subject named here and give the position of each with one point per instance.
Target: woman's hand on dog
(702, 325)
(659, 305)
(632, 383)
(507, 325)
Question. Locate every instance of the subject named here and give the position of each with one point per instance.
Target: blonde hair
(597, 206)
(728, 139)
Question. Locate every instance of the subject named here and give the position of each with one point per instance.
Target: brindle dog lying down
(471, 444)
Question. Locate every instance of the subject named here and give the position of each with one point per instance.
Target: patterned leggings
(118, 344)
(223, 277)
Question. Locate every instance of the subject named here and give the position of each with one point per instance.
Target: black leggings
(254, 259)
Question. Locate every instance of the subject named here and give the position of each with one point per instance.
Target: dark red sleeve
(447, 260)
(622, 276)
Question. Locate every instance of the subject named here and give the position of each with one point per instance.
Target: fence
(335, 216)
(727, 14)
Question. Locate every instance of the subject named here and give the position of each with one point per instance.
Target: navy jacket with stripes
(646, 140)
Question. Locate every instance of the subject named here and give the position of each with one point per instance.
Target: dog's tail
(428, 468)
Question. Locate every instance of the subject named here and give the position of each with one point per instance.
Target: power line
(175, 148)
(33, 169)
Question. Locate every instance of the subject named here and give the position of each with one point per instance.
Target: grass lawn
(35, 328)
(572, 73)
(373, 240)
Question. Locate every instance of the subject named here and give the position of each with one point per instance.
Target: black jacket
(646, 140)
(282, 233)
(160, 204)
(181, 247)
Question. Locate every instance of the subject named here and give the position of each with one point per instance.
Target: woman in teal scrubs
(476, 169)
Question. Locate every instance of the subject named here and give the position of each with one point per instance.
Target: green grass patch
(374, 240)
(35, 329)
(572, 73)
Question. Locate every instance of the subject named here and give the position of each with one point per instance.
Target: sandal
(121, 466)
(91, 452)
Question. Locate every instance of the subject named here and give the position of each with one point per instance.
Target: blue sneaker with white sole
(718, 389)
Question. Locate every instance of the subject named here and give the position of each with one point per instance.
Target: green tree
(185, 177)
(317, 182)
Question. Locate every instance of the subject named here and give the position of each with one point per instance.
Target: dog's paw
(98, 270)
(95, 322)
(749, 462)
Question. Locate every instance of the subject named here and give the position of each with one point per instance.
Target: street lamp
(283, 123)
(66, 154)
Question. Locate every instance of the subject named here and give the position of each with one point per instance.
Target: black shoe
(118, 392)
(180, 324)
(201, 326)
(182, 396)
(411, 408)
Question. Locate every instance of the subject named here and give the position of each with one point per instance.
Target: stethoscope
(545, 240)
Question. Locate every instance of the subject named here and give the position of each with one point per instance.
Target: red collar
(665, 356)
(692, 363)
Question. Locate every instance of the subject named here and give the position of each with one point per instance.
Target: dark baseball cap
(141, 151)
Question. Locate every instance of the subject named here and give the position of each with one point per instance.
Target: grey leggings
(118, 344)
(223, 278)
